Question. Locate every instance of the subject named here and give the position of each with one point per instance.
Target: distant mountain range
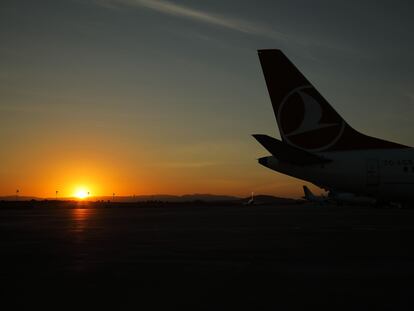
(170, 198)
(261, 199)
(18, 198)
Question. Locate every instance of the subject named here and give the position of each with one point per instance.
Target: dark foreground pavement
(207, 258)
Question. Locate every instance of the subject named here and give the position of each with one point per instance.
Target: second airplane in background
(339, 198)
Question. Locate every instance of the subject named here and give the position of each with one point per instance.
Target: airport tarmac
(208, 257)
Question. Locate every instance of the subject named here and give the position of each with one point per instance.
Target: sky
(146, 96)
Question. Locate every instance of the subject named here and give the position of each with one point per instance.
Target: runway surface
(208, 258)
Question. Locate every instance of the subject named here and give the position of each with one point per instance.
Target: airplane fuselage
(386, 175)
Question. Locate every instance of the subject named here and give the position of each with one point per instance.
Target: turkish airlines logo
(307, 121)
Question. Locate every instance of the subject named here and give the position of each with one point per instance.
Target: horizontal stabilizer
(287, 153)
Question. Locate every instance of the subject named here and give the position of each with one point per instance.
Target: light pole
(56, 193)
(17, 193)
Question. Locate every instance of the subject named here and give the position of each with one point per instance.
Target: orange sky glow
(121, 100)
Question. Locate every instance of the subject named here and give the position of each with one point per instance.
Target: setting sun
(81, 193)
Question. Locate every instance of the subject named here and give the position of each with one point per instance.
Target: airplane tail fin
(308, 194)
(305, 119)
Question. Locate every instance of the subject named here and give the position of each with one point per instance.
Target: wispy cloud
(236, 24)
(173, 9)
